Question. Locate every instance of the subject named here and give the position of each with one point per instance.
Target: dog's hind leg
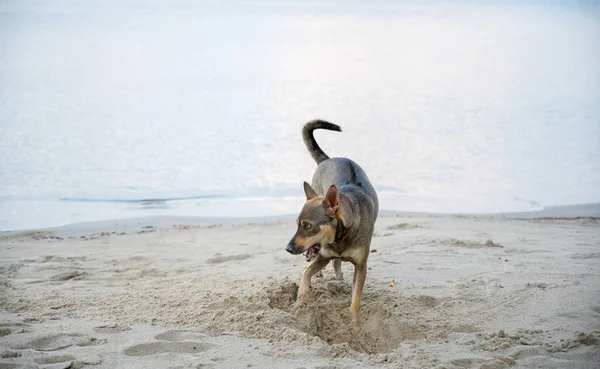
(318, 264)
(360, 274)
(337, 268)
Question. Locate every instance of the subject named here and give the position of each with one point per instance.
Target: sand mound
(264, 308)
(327, 315)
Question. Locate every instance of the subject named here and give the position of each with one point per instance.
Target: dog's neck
(341, 234)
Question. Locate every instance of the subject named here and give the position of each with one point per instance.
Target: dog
(337, 220)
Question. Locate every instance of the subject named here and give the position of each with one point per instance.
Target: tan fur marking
(300, 240)
(360, 273)
(326, 235)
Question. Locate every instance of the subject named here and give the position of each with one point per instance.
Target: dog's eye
(307, 226)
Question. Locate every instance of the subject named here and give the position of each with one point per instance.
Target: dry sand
(470, 292)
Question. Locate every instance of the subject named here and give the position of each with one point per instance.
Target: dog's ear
(310, 193)
(334, 210)
(332, 198)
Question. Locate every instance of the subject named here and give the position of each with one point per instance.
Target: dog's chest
(347, 254)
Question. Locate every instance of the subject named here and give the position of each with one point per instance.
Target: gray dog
(338, 218)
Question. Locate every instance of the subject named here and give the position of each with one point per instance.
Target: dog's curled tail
(309, 140)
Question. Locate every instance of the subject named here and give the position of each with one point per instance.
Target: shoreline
(135, 224)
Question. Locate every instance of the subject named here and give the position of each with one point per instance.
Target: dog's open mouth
(312, 252)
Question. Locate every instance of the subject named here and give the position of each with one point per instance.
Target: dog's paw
(353, 318)
(353, 325)
(303, 297)
(303, 294)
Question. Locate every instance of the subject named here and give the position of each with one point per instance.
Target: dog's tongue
(309, 253)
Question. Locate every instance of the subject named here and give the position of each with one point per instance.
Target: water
(118, 109)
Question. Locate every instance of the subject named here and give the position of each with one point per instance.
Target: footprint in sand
(69, 361)
(111, 328)
(223, 259)
(59, 341)
(155, 348)
(66, 276)
(55, 359)
(176, 336)
(16, 366)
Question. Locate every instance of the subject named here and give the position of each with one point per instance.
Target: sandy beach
(468, 292)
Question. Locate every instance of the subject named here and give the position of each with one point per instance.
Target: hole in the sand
(382, 327)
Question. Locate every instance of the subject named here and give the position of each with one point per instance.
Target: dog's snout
(291, 247)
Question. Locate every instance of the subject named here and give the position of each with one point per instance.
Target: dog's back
(344, 173)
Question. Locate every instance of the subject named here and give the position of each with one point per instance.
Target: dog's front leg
(314, 267)
(337, 268)
(360, 274)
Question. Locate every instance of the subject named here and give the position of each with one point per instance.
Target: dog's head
(317, 222)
